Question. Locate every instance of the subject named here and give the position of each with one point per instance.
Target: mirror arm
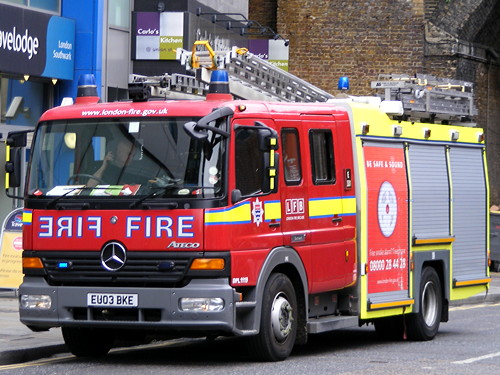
(12, 195)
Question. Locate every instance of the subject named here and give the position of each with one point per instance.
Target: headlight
(201, 304)
(33, 301)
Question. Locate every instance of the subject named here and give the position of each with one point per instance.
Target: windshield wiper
(159, 192)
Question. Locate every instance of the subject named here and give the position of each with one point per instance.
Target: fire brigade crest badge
(258, 212)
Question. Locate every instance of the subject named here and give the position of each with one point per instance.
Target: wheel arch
(287, 261)
(440, 261)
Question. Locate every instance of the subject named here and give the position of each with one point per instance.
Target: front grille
(140, 269)
(110, 314)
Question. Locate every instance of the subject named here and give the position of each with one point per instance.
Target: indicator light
(64, 265)
(208, 264)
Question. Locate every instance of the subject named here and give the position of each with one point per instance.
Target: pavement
(18, 344)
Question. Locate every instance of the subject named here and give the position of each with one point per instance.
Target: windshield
(124, 157)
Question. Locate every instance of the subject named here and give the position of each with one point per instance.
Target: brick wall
(360, 39)
(487, 100)
(264, 12)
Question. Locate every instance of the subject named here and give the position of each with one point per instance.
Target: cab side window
(249, 168)
(322, 159)
(291, 156)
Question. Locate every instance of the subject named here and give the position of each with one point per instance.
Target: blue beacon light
(87, 90)
(343, 83)
(219, 86)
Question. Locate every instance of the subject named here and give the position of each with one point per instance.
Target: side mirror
(236, 196)
(200, 129)
(15, 143)
(13, 167)
(17, 139)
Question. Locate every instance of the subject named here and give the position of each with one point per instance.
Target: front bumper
(158, 308)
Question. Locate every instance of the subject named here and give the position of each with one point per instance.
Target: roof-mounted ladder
(167, 86)
(252, 77)
(428, 98)
(421, 97)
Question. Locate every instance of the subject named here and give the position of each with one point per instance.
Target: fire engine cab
(290, 214)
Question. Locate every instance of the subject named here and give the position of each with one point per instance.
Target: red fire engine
(265, 219)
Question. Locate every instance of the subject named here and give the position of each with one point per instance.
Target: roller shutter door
(469, 219)
(430, 191)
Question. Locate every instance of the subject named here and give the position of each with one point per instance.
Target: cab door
(330, 208)
(294, 189)
(251, 225)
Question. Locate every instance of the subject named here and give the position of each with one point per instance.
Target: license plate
(112, 300)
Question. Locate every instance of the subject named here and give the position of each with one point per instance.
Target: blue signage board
(36, 43)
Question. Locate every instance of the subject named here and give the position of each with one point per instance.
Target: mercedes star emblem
(113, 256)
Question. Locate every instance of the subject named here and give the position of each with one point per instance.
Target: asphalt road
(468, 344)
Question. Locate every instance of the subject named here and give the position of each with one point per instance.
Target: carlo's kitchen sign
(36, 43)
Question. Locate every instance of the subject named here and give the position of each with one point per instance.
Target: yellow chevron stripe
(272, 210)
(27, 217)
(332, 206)
(238, 214)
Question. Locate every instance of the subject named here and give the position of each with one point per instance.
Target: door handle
(337, 219)
(274, 225)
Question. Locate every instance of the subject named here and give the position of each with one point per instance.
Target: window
(52, 5)
(249, 162)
(119, 13)
(291, 156)
(20, 2)
(322, 161)
(49, 5)
(151, 154)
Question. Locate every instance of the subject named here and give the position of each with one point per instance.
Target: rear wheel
(278, 325)
(424, 325)
(88, 342)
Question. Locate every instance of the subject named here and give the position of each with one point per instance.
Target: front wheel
(424, 325)
(88, 342)
(278, 325)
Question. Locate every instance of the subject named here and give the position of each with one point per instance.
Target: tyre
(278, 324)
(424, 325)
(88, 342)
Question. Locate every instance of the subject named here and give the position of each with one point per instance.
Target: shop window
(52, 5)
(18, 2)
